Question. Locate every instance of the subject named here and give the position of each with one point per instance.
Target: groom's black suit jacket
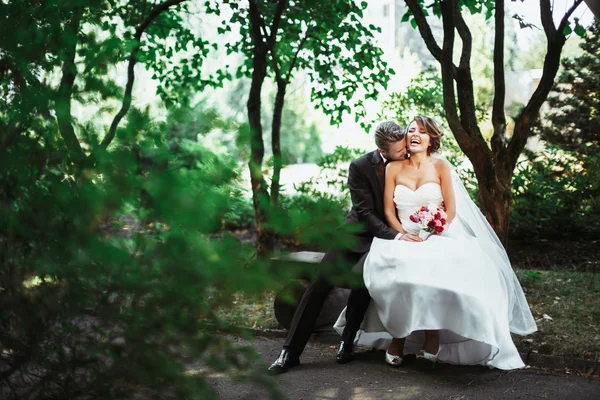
(366, 180)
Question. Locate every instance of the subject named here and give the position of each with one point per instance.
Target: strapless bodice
(408, 201)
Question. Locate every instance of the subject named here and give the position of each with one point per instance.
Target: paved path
(368, 377)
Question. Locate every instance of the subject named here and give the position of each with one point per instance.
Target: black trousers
(313, 299)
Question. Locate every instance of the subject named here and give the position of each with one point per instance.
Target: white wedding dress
(451, 282)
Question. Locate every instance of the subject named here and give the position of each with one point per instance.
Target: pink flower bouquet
(432, 219)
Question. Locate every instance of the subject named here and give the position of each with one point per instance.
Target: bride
(452, 297)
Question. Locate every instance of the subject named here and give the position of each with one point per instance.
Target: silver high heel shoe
(394, 361)
(427, 360)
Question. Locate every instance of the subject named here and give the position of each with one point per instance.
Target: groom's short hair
(388, 132)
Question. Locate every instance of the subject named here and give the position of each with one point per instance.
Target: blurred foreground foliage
(110, 276)
(110, 273)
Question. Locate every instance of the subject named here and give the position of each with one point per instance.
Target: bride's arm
(389, 208)
(445, 174)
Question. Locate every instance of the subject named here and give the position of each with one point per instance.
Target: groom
(366, 183)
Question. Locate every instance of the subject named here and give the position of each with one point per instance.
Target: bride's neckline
(417, 189)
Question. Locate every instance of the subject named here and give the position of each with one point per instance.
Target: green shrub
(111, 277)
(241, 214)
(555, 196)
(99, 309)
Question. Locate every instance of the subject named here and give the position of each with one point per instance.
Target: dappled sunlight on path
(368, 377)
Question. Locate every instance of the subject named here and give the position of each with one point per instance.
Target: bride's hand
(411, 237)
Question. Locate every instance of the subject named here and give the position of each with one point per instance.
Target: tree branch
(498, 115)
(271, 38)
(424, 29)
(468, 137)
(65, 89)
(130, 68)
(276, 21)
(326, 51)
(464, 80)
(565, 18)
(546, 16)
(530, 113)
(295, 59)
(255, 28)
(445, 58)
(276, 142)
(271, 47)
(466, 38)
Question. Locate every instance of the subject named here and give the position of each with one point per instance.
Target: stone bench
(285, 307)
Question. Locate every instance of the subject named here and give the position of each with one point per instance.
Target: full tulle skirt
(445, 283)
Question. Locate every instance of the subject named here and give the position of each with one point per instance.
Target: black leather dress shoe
(345, 354)
(285, 361)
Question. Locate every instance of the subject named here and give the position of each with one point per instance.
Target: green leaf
(579, 30)
(567, 30)
(413, 23)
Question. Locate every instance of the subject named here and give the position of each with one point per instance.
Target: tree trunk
(65, 90)
(494, 202)
(493, 168)
(260, 194)
(276, 142)
(127, 96)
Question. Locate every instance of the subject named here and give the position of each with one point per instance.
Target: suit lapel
(378, 166)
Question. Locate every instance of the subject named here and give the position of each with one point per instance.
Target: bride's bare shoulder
(394, 166)
(443, 168)
(441, 164)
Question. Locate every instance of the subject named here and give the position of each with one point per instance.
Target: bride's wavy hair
(433, 130)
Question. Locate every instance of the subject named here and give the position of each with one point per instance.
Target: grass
(566, 306)
(251, 312)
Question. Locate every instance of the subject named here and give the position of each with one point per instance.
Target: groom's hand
(411, 237)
